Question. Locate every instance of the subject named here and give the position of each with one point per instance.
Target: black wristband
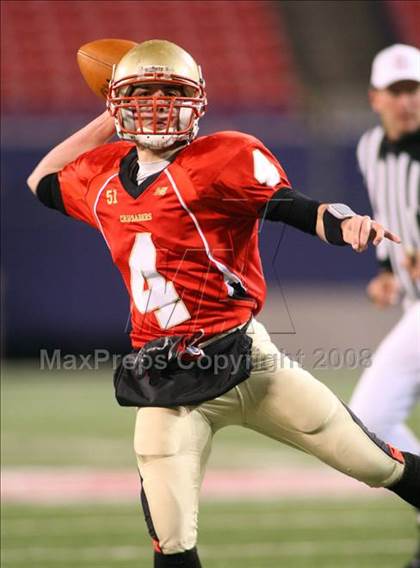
(332, 229)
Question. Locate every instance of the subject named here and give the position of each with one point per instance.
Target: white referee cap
(396, 63)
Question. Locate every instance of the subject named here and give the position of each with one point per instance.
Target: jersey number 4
(160, 295)
(150, 291)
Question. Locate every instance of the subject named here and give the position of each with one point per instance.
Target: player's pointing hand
(358, 231)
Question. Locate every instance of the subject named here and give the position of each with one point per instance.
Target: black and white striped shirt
(392, 175)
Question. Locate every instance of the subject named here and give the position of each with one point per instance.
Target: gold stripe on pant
(279, 400)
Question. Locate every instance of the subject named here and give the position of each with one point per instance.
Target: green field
(70, 419)
(295, 534)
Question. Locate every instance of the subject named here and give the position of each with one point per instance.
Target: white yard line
(232, 551)
(64, 485)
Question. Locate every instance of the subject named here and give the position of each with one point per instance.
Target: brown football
(96, 59)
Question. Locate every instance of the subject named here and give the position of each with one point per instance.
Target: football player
(180, 216)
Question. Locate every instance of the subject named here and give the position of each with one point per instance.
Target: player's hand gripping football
(359, 231)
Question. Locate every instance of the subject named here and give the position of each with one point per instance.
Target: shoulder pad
(230, 139)
(216, 149)
(108, 155)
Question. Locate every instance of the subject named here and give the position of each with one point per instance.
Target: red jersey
(187, 244)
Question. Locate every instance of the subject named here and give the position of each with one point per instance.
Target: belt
(220, 335)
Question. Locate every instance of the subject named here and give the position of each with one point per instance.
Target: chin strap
(157, 141)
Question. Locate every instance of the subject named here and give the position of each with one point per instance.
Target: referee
(389, 159)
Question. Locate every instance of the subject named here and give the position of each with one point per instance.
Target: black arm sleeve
(48, 192)
(292, 208)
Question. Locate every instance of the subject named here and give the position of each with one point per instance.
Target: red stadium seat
(242, 46)
(406, 18)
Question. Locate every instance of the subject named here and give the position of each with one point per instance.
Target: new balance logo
(161, 190)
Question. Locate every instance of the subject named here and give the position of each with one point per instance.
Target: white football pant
(279, 400)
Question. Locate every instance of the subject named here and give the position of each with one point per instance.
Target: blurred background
(295, 74)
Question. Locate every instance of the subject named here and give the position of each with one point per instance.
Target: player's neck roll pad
(163, 374)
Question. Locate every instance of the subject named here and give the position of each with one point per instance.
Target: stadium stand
(243, 46)
(405, 16)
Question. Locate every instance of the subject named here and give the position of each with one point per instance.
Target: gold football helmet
(157, 95)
